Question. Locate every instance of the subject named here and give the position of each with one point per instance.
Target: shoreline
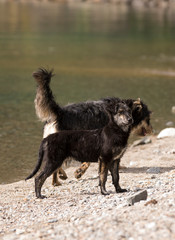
(77, 210)
(130, 3)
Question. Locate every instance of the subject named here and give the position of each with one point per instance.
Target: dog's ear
(129, 102)
(111, 108)
(137, 105)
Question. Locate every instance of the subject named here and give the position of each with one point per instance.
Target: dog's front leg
(103, 172)
(114, 169)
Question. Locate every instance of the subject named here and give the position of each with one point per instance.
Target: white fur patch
(49, 128)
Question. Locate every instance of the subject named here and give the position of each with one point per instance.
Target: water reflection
(97, 50)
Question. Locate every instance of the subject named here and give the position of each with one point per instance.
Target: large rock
(139, 196)
(153, 170)
(167, 132)
(142, 141)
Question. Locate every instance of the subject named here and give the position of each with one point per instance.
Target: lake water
(96, 50)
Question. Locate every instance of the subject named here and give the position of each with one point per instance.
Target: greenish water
(96, 50)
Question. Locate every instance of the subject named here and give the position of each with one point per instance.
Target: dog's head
(121, 115)
(141, 117)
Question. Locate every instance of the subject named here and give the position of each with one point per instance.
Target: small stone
(151, 225)
(157, 151)
(153, 201)
(53, 220)
(169, 124)
(142, 141)
(153, 170)
(173, 228)
(136, 189)
(158, 183)
(139, 196)
(19, 231)
(153, 177)
(132, 163)
(167, 132)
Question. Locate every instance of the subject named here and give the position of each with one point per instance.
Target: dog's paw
(56, 184)
(62, 174)
(41, 196)
(121, 190)
(103, 192)
(81, 170)
(78, 173)
(63, 177)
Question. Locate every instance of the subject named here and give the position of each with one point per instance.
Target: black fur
(82, 116)
(106, 145)
(86, 115)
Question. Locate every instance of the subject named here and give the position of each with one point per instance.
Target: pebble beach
(77, 210)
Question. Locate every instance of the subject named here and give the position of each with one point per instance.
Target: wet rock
(139, 196)
(142, 141)
(167, 132)
(153, 170)
(173, 110)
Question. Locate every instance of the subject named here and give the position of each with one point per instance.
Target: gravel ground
(77, 210)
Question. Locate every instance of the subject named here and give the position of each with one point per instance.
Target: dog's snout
(130, 120)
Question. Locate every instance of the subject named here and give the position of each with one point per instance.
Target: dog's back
(80, 145)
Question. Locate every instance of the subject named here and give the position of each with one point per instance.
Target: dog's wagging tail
(106, 145)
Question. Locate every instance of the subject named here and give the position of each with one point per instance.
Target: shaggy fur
(81, 116)
(106, 145)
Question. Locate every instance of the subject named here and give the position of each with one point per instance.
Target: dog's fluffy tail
(45, 105)
(39, 162)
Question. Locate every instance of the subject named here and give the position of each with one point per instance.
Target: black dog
(106, 145)
(81, 116)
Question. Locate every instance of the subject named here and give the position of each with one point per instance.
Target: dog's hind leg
(62, 174)
(103, 172)
(45, 173)
(39, 181)
(114, 169)
(50, 128)
(81, 170)
(55, 181)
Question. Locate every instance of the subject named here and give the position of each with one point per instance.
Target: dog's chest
(117, 152)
